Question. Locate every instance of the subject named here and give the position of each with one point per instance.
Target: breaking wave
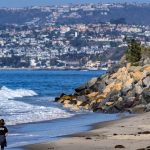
(17, 112)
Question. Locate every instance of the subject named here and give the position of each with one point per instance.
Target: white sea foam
(10, 94)
(16, 112)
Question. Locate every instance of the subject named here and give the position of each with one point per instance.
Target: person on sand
(3, 133)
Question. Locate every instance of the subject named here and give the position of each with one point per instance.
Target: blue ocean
(28, 107)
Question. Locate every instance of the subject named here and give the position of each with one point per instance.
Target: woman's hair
(2, 122)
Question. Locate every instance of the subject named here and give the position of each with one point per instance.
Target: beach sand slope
(129, 134)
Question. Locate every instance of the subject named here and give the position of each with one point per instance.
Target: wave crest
(6, 93)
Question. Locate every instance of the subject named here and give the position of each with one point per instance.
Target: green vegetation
(134, 51)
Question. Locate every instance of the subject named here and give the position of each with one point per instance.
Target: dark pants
(2, 141)
(2, 146)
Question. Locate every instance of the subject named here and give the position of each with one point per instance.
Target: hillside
(117, 13)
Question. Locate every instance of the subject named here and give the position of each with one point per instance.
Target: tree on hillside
(133, 53)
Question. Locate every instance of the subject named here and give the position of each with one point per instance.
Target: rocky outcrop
(125, 89)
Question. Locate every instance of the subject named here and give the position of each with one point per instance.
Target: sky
(24, 3)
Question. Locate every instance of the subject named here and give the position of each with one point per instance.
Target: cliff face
(126, 89)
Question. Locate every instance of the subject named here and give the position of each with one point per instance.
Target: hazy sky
(23, 3)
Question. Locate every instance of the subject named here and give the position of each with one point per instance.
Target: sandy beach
(130, 133)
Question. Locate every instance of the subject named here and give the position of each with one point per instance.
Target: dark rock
(128, 102)
(57, 99)
(142, 100)
(148, 108)
(98, 107)
(81, 88)
(112, 109)
(146, 82)
(138, 109)
(88, 138)
(82, 98)
(144, 132)
(148, 148)
(146, 95)
(108, 81)
(113, 96)
(114, 68)
(91, 82)
(131, 93)
(98, 86)
(119, 105)
(63, 94)
(127, 89)
(119, 146)
(82, 92)
(73, 102)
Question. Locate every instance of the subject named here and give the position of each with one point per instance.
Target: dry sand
(128, 134)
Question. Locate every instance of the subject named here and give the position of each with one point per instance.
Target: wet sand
(129, 134)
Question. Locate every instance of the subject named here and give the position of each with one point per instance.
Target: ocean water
(27, 104)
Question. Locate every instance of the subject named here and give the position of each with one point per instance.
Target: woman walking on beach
(3, 132)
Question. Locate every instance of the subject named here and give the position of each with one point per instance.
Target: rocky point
(124, 89)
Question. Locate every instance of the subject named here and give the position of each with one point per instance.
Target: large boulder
(135, 68)
(91, 82)
(128, 102)
(112, 97)
(146, 95)
(120, 104)
(81, 88)
(137, 75)
(146, 61)
(112, 109)
(138, 89)
(70, 106)
(138, 109)
(98, 86)
(146, 82)
(66, 99)
(114, 68)
(82, 98)
(148, 107)
(146, 68)
(92, 95)
(114, 86)
(128, 84)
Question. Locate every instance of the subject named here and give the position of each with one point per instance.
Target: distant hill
(20, 16)
(130, 14)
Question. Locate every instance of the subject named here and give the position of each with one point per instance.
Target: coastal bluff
(123, 89)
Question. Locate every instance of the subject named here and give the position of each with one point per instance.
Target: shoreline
(131, 133)
(53, 130)
(50, 69)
